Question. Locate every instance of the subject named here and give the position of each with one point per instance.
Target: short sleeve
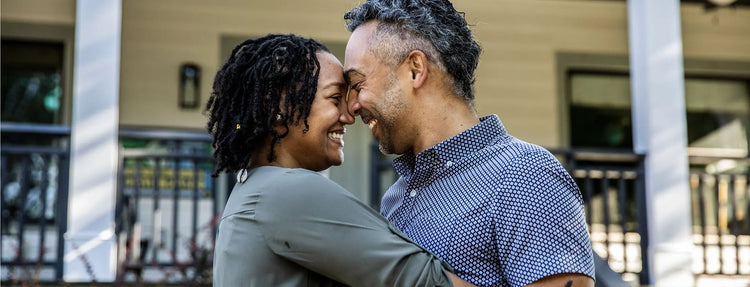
(540, 224)
(312, 221)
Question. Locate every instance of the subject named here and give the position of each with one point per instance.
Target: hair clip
(238, 126)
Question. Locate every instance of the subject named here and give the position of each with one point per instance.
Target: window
(32, 81)
(31, 92)
(718, 113)
(600, 111)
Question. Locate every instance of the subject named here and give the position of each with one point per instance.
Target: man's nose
(344, 115)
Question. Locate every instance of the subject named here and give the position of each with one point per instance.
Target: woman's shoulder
(283, 183)
(290, 177)
(302, 194)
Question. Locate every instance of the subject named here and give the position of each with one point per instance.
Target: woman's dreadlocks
(246, 101)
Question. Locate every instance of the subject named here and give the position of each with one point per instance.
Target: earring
(278, 117)
(242, 175)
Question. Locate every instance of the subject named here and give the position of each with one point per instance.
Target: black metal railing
(167, 206)
(720, 191)
(34, 185)
(612, 184)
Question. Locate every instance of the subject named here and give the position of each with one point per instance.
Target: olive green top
(294, 227)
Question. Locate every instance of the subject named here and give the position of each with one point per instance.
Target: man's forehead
(356, 48)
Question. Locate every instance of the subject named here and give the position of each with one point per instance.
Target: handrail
(138, 133)
(141, 154)
(16, 149)
(17, 128)
(164, 134)
(591, 154)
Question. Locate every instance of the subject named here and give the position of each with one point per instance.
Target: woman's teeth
(335, 136)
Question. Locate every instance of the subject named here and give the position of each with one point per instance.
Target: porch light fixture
(722, 3)
(190, 76)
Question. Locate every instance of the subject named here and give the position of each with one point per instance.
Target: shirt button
(413, 193)
(448, 163)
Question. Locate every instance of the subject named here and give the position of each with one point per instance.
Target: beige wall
(39, 11)
(157, 36)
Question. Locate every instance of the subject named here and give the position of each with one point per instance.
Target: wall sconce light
(722, 2)
(190, 86)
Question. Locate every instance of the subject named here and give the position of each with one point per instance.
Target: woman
(277, 114)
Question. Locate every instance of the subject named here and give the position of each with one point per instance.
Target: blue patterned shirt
(501, 211)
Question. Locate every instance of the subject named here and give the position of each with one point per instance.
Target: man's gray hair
(431, 26)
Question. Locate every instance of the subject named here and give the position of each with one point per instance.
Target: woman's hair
(246, 100)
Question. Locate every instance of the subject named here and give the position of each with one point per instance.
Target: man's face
(376, 94)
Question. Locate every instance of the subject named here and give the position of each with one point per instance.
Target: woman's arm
(457, 281)
(314, 222)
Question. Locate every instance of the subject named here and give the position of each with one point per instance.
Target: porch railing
(167, 206)
(720, 191)
(34, 184)
(613, 189)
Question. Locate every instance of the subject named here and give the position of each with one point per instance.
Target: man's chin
(385, 149)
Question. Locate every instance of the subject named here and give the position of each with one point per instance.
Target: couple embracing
(472, 206)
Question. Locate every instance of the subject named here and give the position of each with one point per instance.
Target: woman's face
(322, 145)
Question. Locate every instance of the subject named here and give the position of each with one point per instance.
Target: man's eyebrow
(347, 74)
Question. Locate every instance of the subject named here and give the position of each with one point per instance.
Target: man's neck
(441, 119)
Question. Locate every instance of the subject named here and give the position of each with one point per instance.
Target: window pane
(717, 113)
(31, 81)
(600, 111)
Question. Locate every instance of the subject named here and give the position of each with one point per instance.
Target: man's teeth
(372, 123)
(335, 136)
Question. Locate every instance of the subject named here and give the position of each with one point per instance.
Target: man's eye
(356, 86)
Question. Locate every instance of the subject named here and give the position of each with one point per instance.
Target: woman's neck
(281, 157)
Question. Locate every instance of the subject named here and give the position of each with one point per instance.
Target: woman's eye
(337, 98)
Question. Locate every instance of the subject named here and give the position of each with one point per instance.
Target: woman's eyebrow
(335, 83)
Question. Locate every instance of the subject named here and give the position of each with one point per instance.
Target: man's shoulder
(511, 150)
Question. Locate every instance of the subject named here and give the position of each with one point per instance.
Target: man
(501, 211)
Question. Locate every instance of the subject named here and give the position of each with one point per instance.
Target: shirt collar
(488, 131)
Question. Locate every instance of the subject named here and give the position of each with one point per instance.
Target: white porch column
(659, 131)
(90, 242)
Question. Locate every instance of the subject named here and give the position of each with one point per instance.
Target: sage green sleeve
(314, 222)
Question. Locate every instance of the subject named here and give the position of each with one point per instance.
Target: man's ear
(417, 67)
